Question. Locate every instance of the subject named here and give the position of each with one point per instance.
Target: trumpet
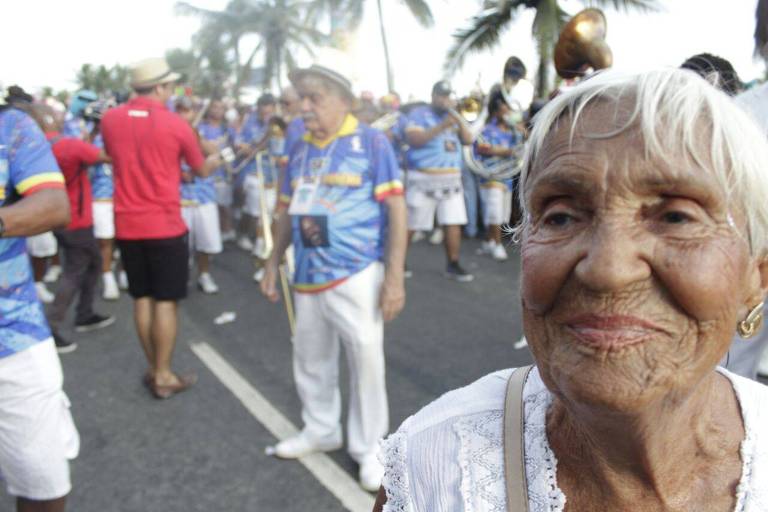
(387, 121)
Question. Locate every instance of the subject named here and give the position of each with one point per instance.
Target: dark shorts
(157, 268)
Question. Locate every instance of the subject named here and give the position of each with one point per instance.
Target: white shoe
(258, 275)
(371, 474)
(245, 243)
(436, 238)
(228, 236)
(299, 446)
(43, 293)
(486, 247)
(52, 274)
(111, 291)
(206, 283)
(260, 249)
(122, 280)
(418, 236)
(499, 253)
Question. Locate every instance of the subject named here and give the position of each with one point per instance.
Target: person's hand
(215, 161)
(269, 281)
(392, 298)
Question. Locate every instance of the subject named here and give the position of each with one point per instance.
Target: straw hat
(151, 72)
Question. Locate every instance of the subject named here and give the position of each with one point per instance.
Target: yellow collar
(348, 127)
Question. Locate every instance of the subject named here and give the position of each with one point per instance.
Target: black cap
(266, 99)
(442, 88)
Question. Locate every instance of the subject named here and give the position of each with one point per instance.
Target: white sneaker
(260, 249)
(228, 236)
(436, 238)
(122, 280)
(418, 236)
(245, 243)
(486, 247)
(111, 291)
(52, 274)
(371, 474)
(43, 293)
(258, 275)
(300, 445)
(206, 283)
(499, 253)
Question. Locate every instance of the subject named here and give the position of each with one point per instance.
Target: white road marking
(328, 473)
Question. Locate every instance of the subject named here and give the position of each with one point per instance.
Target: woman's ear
(758, 284)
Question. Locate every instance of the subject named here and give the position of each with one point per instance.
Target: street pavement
(203, 450)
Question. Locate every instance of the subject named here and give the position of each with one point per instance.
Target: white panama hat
(333, 65)
(151, 72)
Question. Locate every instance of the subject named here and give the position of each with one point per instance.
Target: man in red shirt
(82, 259)
(146, 143)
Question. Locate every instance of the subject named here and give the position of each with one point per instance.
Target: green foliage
(102, 79)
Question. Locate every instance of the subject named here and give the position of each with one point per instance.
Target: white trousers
(347, 314)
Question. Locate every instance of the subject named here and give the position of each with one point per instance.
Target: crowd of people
(323, 188)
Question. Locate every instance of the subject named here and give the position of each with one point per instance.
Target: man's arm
(418, 137)
(282, 239)
(36, 213)
(393, 290)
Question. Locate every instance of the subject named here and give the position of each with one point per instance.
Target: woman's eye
(558, 219)
(675, 217)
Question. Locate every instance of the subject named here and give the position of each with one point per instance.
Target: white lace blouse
(449, 456)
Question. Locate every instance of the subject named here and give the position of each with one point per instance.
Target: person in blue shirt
(74, 123)
(37, 434)
(253, 138)
(342, 206)
(498, 142)
(435, 135)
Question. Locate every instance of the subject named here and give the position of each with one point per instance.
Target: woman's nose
(614, 258)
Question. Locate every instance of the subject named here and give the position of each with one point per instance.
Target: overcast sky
(47, 40)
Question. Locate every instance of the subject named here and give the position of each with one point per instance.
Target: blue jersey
(293, 135)
(76, 127)
(494, 136)
(102, 185)
(252, 131)
(26, 165)
(205, 189)
(344, 230)
(440, 155)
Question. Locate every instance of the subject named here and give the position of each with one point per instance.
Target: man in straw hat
(146, 142)
(346, 217)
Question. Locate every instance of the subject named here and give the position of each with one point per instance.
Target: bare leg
(494, 234)
(38, 268)
(225, 219)
(452, 241)
(164, 327)
(203, 262)
(106, 248)
(143, 317)
(25, 505)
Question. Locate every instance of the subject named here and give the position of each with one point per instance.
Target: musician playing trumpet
(435, 135)
(499, 141)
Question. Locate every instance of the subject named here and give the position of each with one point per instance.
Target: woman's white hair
(673, 109)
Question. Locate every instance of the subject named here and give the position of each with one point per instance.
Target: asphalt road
(202, 450)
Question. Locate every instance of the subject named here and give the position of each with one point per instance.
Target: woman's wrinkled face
(635, 271)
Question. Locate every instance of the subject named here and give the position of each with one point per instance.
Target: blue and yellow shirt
(495, 136)
(344, 231)
(27, 165)
(205, 188)
(102, 184)
(442, 154)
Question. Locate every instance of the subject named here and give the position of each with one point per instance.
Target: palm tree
(276, 22)
(485, 29)
(349, 13)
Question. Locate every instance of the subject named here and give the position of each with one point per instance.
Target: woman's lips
(611, 331)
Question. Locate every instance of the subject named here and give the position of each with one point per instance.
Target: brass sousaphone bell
(582, 45)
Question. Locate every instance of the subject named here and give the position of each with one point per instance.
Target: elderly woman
(644, 246)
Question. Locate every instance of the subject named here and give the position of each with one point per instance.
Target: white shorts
(43, 245)
(497, 205)
(252, 204)
(422, 207)
(224, 193)
(37, 435)
(103, 220)
(203, 224)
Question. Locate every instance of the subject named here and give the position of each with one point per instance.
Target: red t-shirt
(74, 156)
(147, 142)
